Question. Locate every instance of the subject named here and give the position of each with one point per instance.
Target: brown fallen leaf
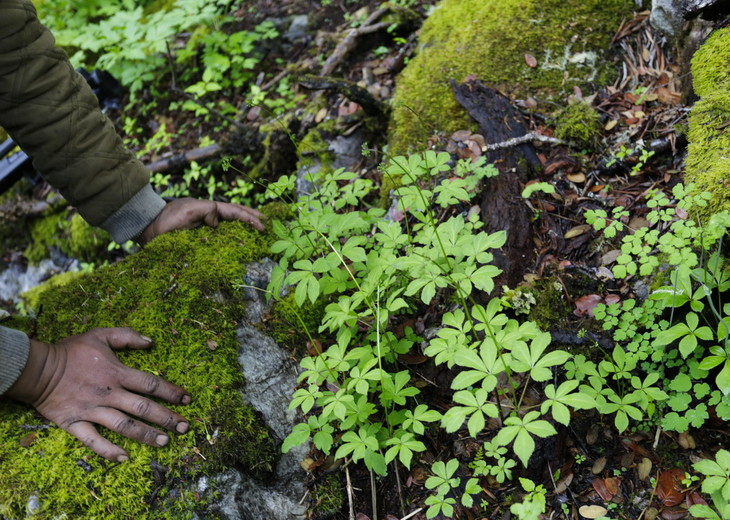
(613, 484)
(577, 178)
(686, 440)
(643, 468)
(669, 488)
(599, 484)
(530, 60)
(212, 344)
(27, 440)
(611, 124)
(585, 304)
(674, 513)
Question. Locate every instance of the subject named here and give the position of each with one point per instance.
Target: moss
(72, 235)
(708, 152)
(291, 326)
(179, 290)
(579, 123)
(314, 148)
(551, 308)
(329, 497)
(569, 39)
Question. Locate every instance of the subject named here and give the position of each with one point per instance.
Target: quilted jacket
(50, 111)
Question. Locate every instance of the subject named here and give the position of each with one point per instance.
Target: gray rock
(667, 17)
(298, 28)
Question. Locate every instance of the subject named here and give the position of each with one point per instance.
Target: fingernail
(182, 427)
(147, 339)
(162, 440)
(122, 458)
(185, 399)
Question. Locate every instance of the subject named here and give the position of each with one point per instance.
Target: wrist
(36, 374)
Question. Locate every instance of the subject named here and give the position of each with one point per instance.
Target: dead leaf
(599, 465)
(563, 484)
(638, 223)
(321, 114)
(309, 464)
(592, 511)
(643, 468)
(578, 178)
(695, 498)
(611, 124)
(613, 484)
(530, 60)
(212, 345)
(612, 298)
(314, 347)
(599, 484)
(610, 257)
(577, 231)
(585, 304)
(686, 440)
(362, 516)
(651, 513)
(674, 513)
(29, 439)
(668, 97)
(669, 487)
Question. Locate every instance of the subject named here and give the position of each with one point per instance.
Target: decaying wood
(350, 40)
(527, 138)
(350, 90)
(183, 159)
(502, 205)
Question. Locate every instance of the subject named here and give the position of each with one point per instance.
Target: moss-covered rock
(568, 38)
(71, 234)
(708, 152)
(180, 291)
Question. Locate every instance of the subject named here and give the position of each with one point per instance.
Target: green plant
(533, 503)
(716, 484)
(624, 152)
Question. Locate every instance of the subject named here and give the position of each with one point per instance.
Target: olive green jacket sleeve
(51, 113)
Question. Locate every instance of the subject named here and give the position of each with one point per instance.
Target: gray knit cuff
(132, 218)
(14, 348)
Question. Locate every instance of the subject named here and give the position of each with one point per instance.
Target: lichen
(180, 291)
(579, 123)
(708, 152)
(568, 38)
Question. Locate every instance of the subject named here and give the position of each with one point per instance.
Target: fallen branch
(183, 159)
(516, 141)
(350, 90)
(348, 43)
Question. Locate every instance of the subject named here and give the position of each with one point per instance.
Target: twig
(411, 515)
(349, 493)
(400, 490)
(373, 495)
(348, 43)
(516, 141)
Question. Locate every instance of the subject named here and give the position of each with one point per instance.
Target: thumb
(123, 337)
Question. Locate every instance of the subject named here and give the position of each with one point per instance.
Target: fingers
(150, 412)
(250, 216)
(122, 337)
(126, 426)
(86, 433)
(149, 384)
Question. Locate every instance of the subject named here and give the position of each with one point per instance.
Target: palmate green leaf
(403, 445)
(531, 359)
(703, 511)
(299, 435)
(723, 379)
(485, 367)
(476, 404)
(557, 399)
(521, 430)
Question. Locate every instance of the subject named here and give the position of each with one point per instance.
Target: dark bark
(502, 205)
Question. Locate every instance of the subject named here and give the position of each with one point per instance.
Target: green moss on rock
(179, 290)
(568, 38)
(72, 235)
(708, 152)
(579, 123)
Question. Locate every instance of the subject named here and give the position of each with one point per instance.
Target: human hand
(79, 382)
(190, 213)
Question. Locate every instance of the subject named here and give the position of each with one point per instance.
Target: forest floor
(638, 151)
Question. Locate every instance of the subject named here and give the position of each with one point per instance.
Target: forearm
(14, 347)
(50, 111)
